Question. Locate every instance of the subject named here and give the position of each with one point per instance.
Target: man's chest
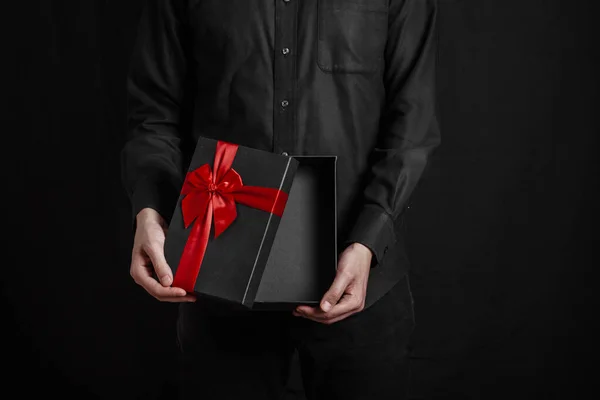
(344, 36)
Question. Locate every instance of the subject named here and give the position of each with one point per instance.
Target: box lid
(247, 196)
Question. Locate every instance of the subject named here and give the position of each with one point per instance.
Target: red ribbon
(212, 197)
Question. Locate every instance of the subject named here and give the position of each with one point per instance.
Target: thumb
(162, 269)
(335, 292)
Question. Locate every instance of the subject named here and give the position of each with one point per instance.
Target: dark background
(502, 231)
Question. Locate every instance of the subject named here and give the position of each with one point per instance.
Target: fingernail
(167, 280)
(326, 306)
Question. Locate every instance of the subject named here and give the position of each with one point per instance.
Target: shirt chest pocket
(351, 35)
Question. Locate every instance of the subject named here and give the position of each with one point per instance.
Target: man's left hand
(347, 293)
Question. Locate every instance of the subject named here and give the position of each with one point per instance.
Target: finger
(348, 304)
(160, 292)
(336, 290)
(184, 299)
(337, 319)
(157, 257)
(139, 268)
(328, 321)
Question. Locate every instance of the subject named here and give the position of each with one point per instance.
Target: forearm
(409, 129)
(151, 159)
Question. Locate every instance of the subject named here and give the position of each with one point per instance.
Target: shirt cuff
(374, 228)
(158, 195)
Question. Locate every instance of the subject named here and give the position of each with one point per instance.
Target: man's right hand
(148, 255)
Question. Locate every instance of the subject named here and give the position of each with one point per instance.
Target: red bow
(212, 196)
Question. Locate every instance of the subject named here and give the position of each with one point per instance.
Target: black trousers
(238, 354)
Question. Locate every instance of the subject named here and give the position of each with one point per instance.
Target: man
(352, 78)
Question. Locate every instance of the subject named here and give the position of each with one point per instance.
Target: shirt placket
(284, 107)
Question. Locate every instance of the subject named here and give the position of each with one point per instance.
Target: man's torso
(299, 77)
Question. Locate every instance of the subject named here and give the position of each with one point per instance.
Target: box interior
(302, 262)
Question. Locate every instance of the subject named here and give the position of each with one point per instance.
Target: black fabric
(238, 354)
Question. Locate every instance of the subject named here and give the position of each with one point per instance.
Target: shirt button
(285, 51)
(284, 153)
(284, 103)
(286, 1)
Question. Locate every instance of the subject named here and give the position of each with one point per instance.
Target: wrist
(365, 252)
(149, 215)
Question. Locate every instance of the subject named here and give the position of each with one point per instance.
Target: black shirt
(352, 78)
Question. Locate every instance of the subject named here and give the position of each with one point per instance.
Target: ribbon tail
(264, 198)
(193, 252)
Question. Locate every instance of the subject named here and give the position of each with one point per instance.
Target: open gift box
(254, 229)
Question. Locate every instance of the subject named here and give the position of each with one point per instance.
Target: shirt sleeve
(151, 159)
(408, 127)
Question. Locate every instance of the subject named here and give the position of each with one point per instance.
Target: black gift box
(233, 262)
(263, 261)
(303, 259)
